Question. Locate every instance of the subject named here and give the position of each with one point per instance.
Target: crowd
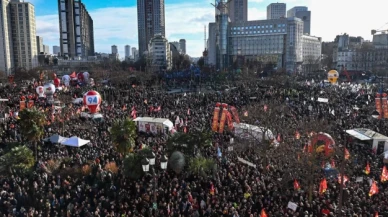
(236, 189)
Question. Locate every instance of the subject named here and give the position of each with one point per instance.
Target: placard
(292, 206)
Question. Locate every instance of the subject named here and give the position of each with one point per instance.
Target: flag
(384, 175)
(332, 163)
(373, 189)
(344, 177)
(279, 138)
(212, 189)
(265, 108)
(188, 111)
(246, 114)
(322, 186)
(347, 154)
(263, 213)
(296, 185)
(367, 168)
(376, 214)
(168, 209)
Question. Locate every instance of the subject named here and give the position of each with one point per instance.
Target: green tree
(123, 135)
(132, 167)
(202, 166)
(32, 123)
(177, 161)
(19, 160)
(189, 143)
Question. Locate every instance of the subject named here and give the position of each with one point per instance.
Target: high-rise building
(238, 10)
(114, 49)
(182, 46)
(127, 51)
(160, 53)
(6, 59)
(46, 49)
(276, 11)
(304, 14)
(134, 53)
(39, 44)
(25, 51)
(176, 45)
(76, 28)
(57, 50)
(150, 21)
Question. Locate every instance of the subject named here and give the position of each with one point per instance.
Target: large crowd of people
(235, 189)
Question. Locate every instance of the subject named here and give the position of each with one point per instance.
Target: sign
(91, 100)
(359, 179)
(154, 205)
(246, 162)
(292, 206)
(22, 105)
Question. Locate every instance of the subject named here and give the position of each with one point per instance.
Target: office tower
(304, 14)
(276, 11)
(56, 50)
(39, 44)
(76, 28)
(114, 49)
(238, 10)
(134, 50)
(150, 21)
(6, 60)
(25, 51)
(127, 51)
(182, 46)
(46, 49)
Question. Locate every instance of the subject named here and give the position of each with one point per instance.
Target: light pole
(146, 162)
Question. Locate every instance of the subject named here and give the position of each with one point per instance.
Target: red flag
(185, 129)
(297, 135)
(332, 163)
(279, 138)
(296, 185)
(344, 177)
(212, 190)
(367, 168)
(376, 214)
(265, 108)
(373, 189)
(263, 213)
(347, 154)
(188, 111)
(384, 175)
(322, 186)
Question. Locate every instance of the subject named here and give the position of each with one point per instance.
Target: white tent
(154, 125)
(248, 131)
(56, 138)
(75, 142)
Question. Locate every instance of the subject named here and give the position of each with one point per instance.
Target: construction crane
(374, 31)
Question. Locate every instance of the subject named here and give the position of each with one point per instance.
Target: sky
(115, 21)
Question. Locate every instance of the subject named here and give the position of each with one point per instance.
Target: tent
(247, 131)
(56, 138)
(75, 142)
(154, 125)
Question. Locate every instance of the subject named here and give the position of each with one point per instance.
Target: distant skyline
(115, 21)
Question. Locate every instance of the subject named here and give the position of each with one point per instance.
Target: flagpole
(342, 180)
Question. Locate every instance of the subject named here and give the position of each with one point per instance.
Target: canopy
(153, 125)
(367, 134)
(248, 131)
(75, 142)
(56, 138)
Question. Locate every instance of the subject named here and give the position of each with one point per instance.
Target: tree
(177, 161)
(132, 167)
(32, 123)
(201, 62)
(202, 166)
(19, 160)
(189, 143)
(123, 134)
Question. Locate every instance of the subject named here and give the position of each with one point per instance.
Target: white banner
(292, 206)
(246, 162)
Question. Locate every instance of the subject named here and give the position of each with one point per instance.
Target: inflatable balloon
(57, 82)
(322, 142)
(66, 80)
(40, 91)
(86, 77)
(92, 100)
(80, 77)
(49, 89)
(332, 76)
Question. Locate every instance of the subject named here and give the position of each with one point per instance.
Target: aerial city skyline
(79, 35)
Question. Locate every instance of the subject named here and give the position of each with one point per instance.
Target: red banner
(30, 104)
(378, 105)
(385, 105)
(22, 105)
(216, 115)
(235, 114)
(222, 121)
(230, 121)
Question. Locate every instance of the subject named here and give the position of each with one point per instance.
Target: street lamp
(163, 162)
(375, 114)
(151, 158)
(145, 163)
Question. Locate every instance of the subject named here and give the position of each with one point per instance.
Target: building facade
(25, 51)
(182, 46)
(76, 29)
(56, 50)
(238, 10)
(135, 54)
(114, 49)
(150, 21)
(276, 11)
(312, 53)
(46, 49)
(211, 44)
(127, 49)
(304, 14)
(6, 52)
(39, 44)
(159, 53)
